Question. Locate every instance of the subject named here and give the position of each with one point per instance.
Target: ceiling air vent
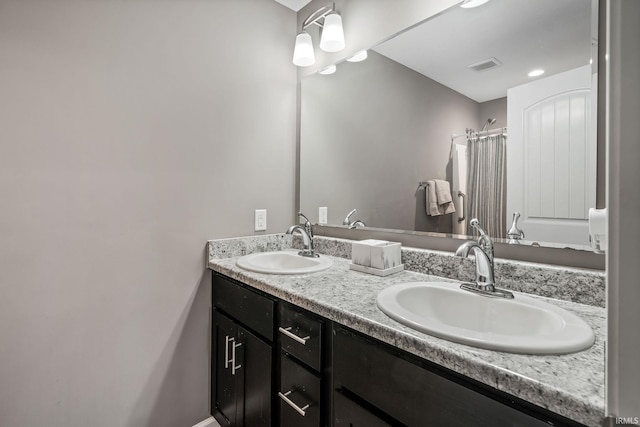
(485, 65)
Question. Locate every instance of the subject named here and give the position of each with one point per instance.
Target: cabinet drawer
(248, 307)
(299, 396)
(300, 335)
(347, 413)
(413, 394)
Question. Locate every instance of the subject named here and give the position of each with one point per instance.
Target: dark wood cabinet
(277, 364)
(404, 390)
(242, 361)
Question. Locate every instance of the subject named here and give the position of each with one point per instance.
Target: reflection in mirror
(442, 123)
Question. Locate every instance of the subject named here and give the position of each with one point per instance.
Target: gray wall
(130, 133)
(623, 201)
(369, 133)
(496, 109)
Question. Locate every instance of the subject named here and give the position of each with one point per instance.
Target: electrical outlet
(260, 220)
(322, 215)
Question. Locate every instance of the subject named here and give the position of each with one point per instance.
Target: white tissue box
(385, 256)
(361, 251)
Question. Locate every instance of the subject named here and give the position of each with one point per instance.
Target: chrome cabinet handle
(227, 340)
(286, 331)
(289, 402)
(234, 367)
(464, 197)
(230, 340)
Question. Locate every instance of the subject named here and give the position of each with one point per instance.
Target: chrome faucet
(483, 251)
(307, 237)
(514, 233)
(354, 224)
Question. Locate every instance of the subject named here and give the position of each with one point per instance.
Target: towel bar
(464, 198)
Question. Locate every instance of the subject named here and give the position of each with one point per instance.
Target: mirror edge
(544, 255)
(564, 257)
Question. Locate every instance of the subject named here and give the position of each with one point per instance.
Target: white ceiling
(294, 5)
(521, 34)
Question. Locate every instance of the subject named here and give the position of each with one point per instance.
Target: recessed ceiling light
(473, 3)
(359, 56)
(536, 73)
(329, 70)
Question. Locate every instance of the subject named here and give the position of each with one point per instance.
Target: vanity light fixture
(536, 73)
(328, 70)
(359, 56)
(303, 54)
(331, 38)
(468, 4)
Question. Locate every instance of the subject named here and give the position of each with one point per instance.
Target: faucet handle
(476, 224)
(307, 224)
(484, 241)
(514, 232)
(347, 220)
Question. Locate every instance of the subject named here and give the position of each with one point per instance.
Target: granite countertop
(570, 385)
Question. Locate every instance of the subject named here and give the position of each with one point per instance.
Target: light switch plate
(322, 215)
(260, 220)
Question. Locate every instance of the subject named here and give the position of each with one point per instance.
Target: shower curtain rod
(488, 132)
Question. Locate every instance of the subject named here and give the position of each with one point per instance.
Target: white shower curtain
(486, 182)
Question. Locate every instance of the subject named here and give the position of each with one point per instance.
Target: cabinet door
(255, 361)
(412, 394)
(228, 379)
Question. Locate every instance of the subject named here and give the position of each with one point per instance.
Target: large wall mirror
(450, 104)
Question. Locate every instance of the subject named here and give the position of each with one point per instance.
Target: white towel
(443, 196)
(432, 200)
(438, 198)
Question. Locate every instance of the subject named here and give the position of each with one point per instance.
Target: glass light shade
(359, 56)
(332, 39)
(329, 70)
(303, 54)
(473, 3)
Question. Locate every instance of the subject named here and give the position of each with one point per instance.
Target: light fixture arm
(315, 17)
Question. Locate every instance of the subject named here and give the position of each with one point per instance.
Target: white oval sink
(520, 325)
(283, 262)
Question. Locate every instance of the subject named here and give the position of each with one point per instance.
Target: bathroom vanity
(314, 350)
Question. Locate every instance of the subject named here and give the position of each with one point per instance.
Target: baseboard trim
(209, 422)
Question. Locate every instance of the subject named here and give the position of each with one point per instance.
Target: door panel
(227, 385)
(551, 154)
(255, 359)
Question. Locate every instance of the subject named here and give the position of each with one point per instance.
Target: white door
(551, 156)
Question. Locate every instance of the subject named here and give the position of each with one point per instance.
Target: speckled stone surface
(571, 284)
(238, 246)
(571, 385)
